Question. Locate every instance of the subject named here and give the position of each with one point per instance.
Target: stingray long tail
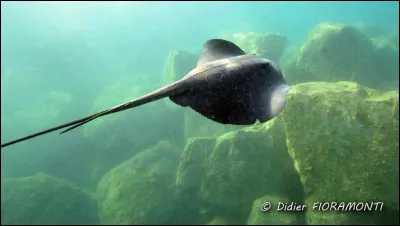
(47, 131)
(158, 94)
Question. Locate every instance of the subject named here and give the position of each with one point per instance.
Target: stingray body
(228, 86)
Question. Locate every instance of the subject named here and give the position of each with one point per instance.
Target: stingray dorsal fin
(216, 49)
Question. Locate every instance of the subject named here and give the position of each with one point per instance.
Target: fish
(227, 86)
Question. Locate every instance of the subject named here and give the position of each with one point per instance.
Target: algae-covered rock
(42, 199)
(336, 52)
(260, 215)
(225, 174)
(343, 138)
(324, 213)
(120, 136)
(266, 45)
(141, 189)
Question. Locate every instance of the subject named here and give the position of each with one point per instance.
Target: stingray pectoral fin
(158, 94)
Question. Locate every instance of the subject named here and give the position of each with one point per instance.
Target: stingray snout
(278, 99)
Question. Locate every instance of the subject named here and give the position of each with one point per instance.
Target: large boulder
(141, 189)
(224, 175)
(337, 52)
(44, 200)
(343, 138)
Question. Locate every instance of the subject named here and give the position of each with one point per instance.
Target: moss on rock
(227, 173)
(44, 200)
(343, 138)
(336, 52)
(141, 189)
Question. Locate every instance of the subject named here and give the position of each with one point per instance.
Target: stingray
(227, 86)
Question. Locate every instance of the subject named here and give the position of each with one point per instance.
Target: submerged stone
(226, 174)
(141, 189)
(44, 200)
(336, 52)
(343, 138)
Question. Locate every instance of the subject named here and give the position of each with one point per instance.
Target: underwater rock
(274, 216)
(141, 189)
(118, 137)
(320, 216)
(336, 52)
(226, 174)
(343, 138)
(328, 217)
(44, 200)
(66, 157)
(268, 45)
